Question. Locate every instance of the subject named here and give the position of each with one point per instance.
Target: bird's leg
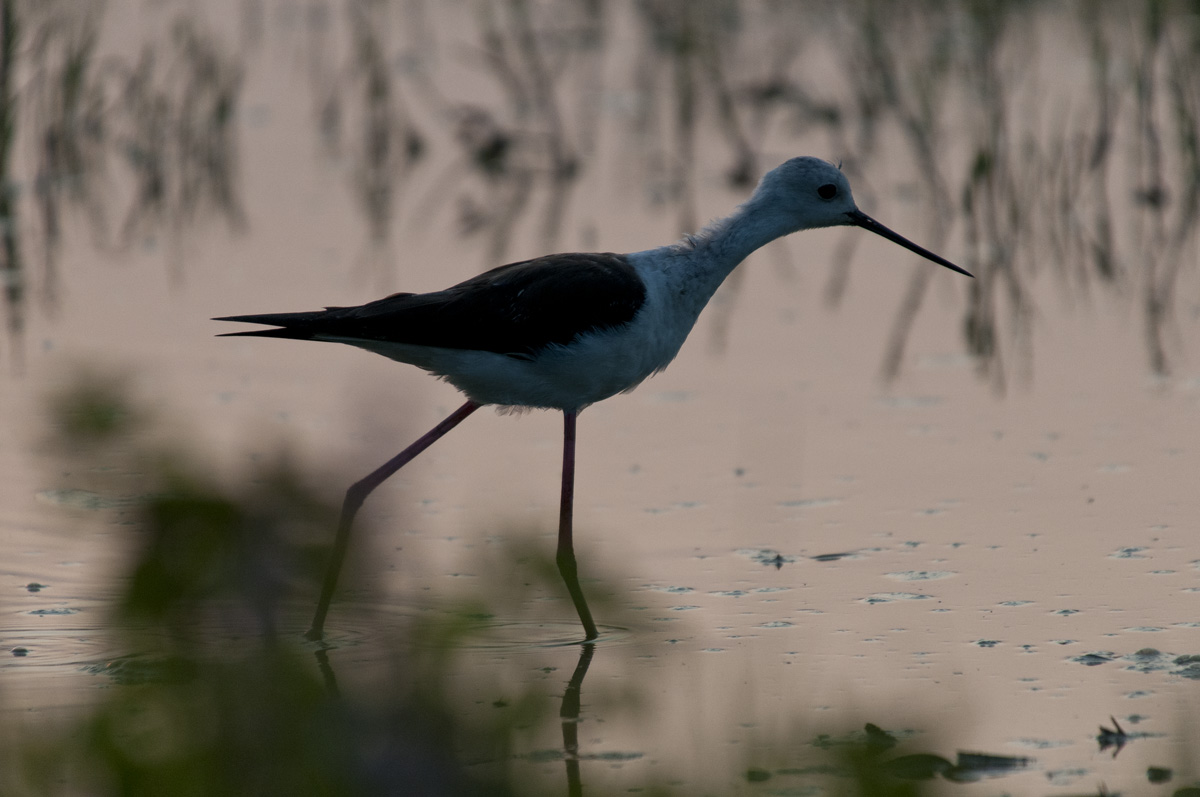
(358, 493)
(566, 549)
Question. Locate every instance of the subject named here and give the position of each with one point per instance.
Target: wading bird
(565, 331)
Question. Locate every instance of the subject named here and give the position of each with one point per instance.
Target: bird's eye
(827, 191)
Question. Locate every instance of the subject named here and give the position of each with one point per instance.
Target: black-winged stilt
(565, 331)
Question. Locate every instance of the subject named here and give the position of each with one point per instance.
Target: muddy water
(780, 543)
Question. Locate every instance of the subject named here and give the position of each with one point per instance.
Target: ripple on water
(810, 503)
(892, 597)
(367, 625)
(671, 590)
(80, 499)
(55, 647)
(921, 575)
(499, 634)
(57, 636)
(1132, 552)
(1041, 744)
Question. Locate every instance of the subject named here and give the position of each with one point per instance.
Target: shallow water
(778, 544)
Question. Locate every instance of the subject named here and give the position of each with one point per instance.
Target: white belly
(591, 368)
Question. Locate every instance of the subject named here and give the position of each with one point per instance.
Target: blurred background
(880, 529)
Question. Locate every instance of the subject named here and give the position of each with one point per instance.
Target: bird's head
(814, 193)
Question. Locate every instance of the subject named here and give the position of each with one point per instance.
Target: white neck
(697, 266)
(751, 226)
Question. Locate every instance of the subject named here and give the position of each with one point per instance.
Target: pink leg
(566, 548)
(358, 493)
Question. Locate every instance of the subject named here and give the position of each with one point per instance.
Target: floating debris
(1116, 739)
(1094, 659)
(974, 766)
(833, 557)
(1147, 660)
(918, 766)
(766, 556)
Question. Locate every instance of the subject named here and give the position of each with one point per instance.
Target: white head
(805, 193)
(810, 191)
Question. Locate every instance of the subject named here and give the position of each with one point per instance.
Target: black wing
(516, 309)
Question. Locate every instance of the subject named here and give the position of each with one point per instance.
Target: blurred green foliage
(219, 693)
(93, 408)
(215, 697)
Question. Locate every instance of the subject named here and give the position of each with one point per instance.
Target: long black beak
(860, 219)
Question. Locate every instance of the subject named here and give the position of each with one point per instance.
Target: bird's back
(518, 309)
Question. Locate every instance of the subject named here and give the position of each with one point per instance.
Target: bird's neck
(751, 226)
(709, 256)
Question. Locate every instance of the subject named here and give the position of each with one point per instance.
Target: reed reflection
(12, 268)
(1030, 161)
